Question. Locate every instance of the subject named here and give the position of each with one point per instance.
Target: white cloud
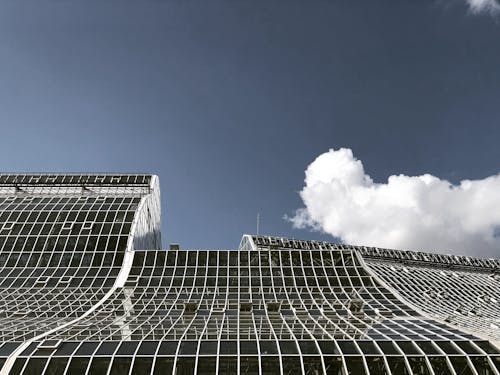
(407, 212)
(484, 6)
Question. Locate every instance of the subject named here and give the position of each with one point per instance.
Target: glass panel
(467, 347)
(312, 365)
(228, 365)
(486, 346)
(288, 347)
(418, 365)
(355, 365)
(228, 347)
(121, 365)
(163, 365)
(56, 366)
(87, 348)
(18, 366)
(270, 365)
(368, 347)
(35, 366)
(376, 365)
(167, 348)
(328, 347)
(142, 365)
(248, 347)
(99, 366)
(408, 347)
(481, 365)
(78, 365)
(348, 347)
(291, 365)
(206, 365)
(427, 347)
(185, 366)
(208, 347)
(397, 365)
(107, 348)
(439, 365)
(333, 365)
(388, 347)
(460, 365)
(188, 347)
(447, 347)
(268, 347)
(147, 348)
(308, 347)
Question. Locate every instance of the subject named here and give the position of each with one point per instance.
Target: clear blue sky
(229, 101)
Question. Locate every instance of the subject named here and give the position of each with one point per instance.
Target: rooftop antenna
(258, 222)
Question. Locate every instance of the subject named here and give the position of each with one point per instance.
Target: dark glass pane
(328, 347)
(35, 366)
(127, 348)
(418, 365)
(288, 347)
(78, 365)
(142, 365)
(250, 365)
(268, 347)
(164, 365)
(487, 347)
(388, 347)
(99, 366)
(368, 347)
(107, 348)
(8, 348)
(248, 347)
(66, 348)
(439, 365)
(481, 365)
(206, 365)
(408, 347)
(87, 348)
(56, 366)
(228, 365)
(121, 365)
(188, 347)
(397, 365)
(270, 365)
(167, 348)
(185, 365)
(348, 347)
(208, 347)
(467, 347)
(18, 366)
(355, 365)
(334, 366)
(312, 365)
(308, 347)
(228, 347)
(447, 347)
(496, 362)
(376, 365)
(147, 348)
(460, 365)
(427, 347)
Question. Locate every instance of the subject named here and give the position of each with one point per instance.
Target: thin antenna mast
(258, 222)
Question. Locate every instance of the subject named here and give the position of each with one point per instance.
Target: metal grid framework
(73, 300)
(64, 245)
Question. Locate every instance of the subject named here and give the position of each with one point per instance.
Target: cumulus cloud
(484, 6)
(406, 212)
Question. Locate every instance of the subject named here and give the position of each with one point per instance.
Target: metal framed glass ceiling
(80, 293)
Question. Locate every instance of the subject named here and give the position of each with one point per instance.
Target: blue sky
(230, 101)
